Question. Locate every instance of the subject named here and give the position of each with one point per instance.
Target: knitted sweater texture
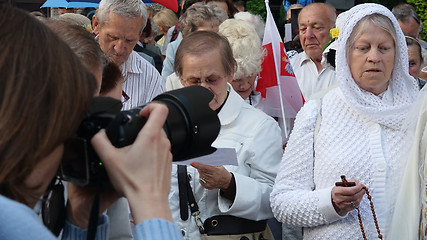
(347, 144)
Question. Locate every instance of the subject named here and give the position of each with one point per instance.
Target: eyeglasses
(211, 80)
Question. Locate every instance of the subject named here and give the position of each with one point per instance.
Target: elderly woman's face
(207, 71)
(414, 61)
(371, 59)
(244, 86)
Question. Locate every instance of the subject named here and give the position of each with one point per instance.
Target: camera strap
(53, 209)
(186, 198)
(93, 219)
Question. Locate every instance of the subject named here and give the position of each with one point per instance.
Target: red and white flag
(277, 74)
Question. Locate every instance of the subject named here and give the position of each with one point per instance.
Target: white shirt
(142, 81)
(173, 82)
(256, 138)
(309, 80)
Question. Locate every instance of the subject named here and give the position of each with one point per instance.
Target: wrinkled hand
(80, 201)
(141, 171)
(211, 177)
(342, 197)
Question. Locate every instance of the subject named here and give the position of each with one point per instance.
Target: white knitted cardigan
(360, 136)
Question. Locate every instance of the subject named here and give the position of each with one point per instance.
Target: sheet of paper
(222, 156)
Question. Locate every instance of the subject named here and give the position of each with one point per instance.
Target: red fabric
(267, 77)
(277, 73)
(171, 4)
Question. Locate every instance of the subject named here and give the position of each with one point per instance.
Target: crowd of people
(353, 166)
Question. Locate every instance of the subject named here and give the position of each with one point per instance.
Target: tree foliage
(257, 7)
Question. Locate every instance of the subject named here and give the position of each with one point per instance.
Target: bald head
(315, 20)
(326, 10)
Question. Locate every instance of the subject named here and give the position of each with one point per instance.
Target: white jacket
(256, 138)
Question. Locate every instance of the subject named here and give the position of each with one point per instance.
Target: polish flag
(277, 74)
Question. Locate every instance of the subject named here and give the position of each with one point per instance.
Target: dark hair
(231, 8)
(201, 42)
(412, 41)
(111, 76)
(146, 32)
(187, 4)
(44, 93)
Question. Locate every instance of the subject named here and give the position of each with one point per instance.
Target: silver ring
(352, 204)
(203, 180)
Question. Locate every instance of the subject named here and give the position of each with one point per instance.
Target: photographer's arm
(142, 171)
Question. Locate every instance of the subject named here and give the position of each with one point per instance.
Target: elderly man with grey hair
(314, 22)
(118, 25)
(409, 21)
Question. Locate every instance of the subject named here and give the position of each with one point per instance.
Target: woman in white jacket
(361, 135)
(205, 58)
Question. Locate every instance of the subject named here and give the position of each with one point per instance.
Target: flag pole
(277, 72)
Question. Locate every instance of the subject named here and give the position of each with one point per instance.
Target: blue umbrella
(71, 3)
(148, 2)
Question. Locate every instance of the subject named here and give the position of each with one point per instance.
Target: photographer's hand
(141, 171)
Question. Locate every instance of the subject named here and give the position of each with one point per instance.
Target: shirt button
(381, 166)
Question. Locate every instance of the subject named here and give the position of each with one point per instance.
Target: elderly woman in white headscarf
(357, 130)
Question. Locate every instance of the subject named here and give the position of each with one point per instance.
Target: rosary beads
(380, 236)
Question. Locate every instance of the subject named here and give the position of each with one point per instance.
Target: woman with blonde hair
(165, 19)
(248, 53)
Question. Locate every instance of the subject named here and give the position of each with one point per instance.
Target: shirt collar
(231, 108)
(130, 65)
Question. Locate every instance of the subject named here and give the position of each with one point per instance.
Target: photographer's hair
(198, 14)
(44, 94)
(124, 8)
(246, 45)
(81, 42)
(202, 42)
(404, 12)
(375, 19)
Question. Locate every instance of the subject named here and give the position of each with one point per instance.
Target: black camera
(191, 127)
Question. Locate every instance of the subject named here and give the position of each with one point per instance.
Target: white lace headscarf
(403, 86)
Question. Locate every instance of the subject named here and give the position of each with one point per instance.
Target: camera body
(191, 127)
